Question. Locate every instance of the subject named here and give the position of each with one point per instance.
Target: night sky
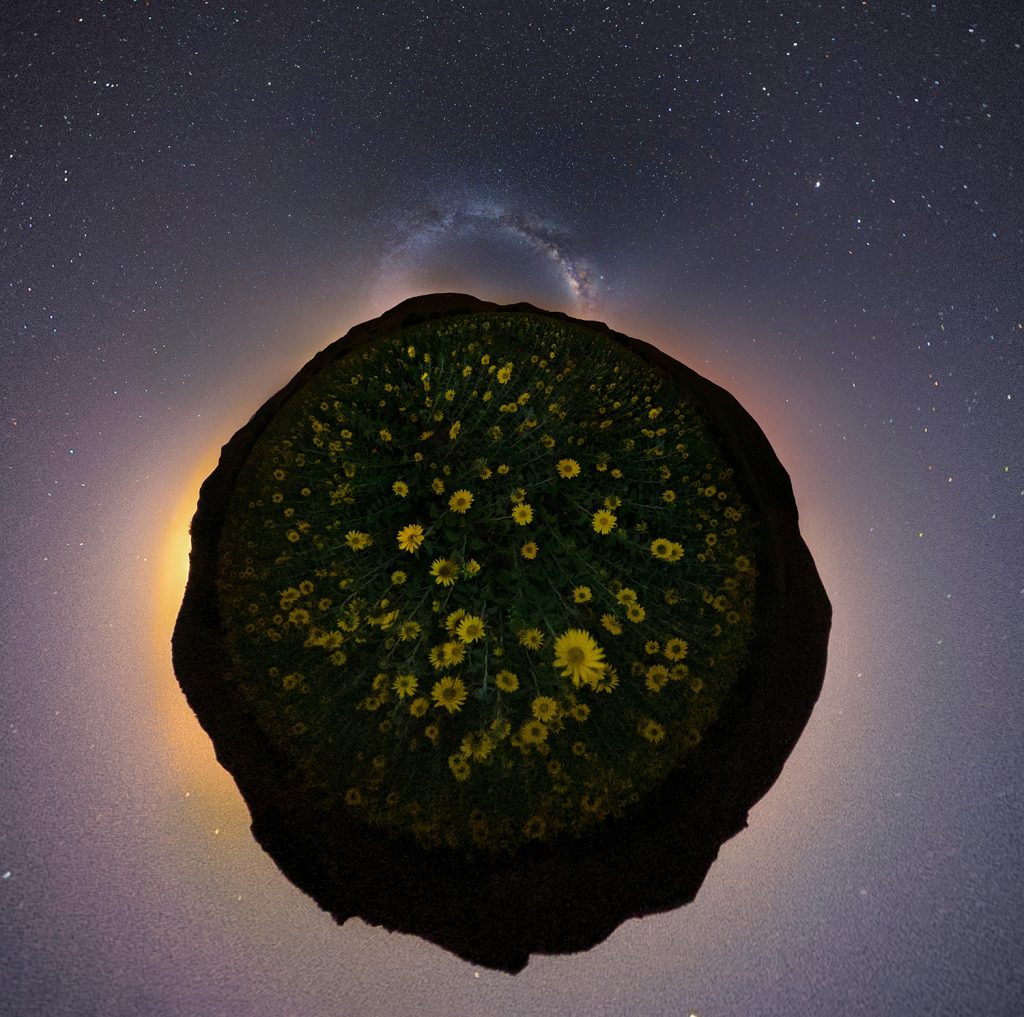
(817, 206)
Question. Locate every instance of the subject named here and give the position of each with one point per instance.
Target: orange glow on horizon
(188, 747)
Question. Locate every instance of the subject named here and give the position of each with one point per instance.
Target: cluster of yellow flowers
(493, 618)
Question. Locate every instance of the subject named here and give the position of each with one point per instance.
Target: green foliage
(487, 580)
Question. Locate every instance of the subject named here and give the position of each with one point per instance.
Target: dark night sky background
(818, 206)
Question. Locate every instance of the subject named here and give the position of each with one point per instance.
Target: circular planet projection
(502, 622)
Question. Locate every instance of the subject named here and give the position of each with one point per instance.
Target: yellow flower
(635, 613)
(404, 685)
(660, 548)
(532, 639)
(460, 501)
(449, 693)
(400, 487)
(453, 431)
(652, 730)
(657, 677)
(385, 434)
(471, 568)
(444, 571)
(418, 707)
(604, 521)
(504, 373)
(626, 595)
(408, 631)
(523, 513)
(452, 653)
(471, 628)
(613, 501)
(410, 537)
(675, 551)
(742, 563)
(676, 649)
(567, 468)
(357, 540)
(438, 485)
(581, 594)
(518, 495)
(529, 550)
(533, 732)
(611, 623)
(398, 577)
(652, 646)
(506, 681)
(452, 621)
(668, 497)
(579, 657)
(544, 708)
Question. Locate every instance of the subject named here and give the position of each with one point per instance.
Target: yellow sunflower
(444, 571)
(604, 521)
(449, 694)
(529, 550)
(460, 501)
(532, 639)
(471, 628)
(523, 513)
(410, 537)
(579, 657)
(567, 468)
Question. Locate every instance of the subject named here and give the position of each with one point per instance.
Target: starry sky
(817, 206)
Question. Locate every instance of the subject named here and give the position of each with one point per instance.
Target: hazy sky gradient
(818, 208)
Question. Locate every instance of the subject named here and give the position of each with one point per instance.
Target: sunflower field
(487, 580)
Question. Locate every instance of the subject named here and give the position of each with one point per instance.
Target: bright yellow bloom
(604, 521)
(518, 495)
(532, 639)
(635, 613)
(578, 657)
(452, 621)
(567, 468)
(385, 434)
(404, 685)
(449, 694)
(506, 681)
(471, 568)
(453, 653)
(529, 550)
(460, 501)
(410, 537)
(504, 373)
(611, 623)
(523, 513)
(544, 708)
(581, 594)
(626, 595)
(471, 628)
(660, 548)
(675, 551)
(668, 497)
(400, 487)
(444, 571)
(438, 485)
(357, 540)
(676, 649)
(453, 431)
(398, 577)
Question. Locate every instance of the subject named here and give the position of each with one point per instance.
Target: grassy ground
(486, 580)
